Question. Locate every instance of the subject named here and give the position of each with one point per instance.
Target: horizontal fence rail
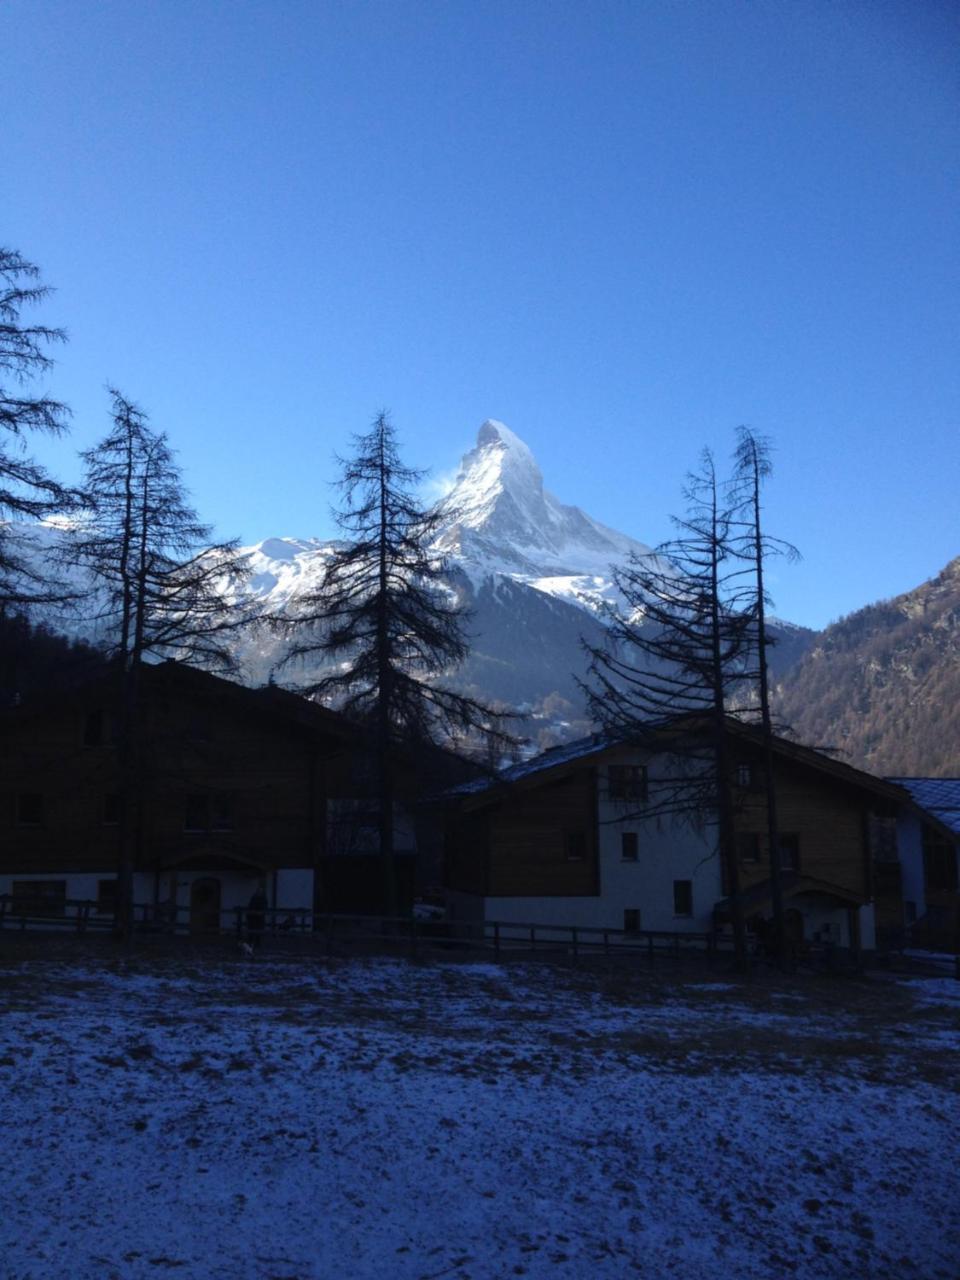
(406, 932)
(410, 934)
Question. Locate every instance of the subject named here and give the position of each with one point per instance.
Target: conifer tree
(753, 546)
(671, 670)
(385, 626)
(27, 491)
(160, 588)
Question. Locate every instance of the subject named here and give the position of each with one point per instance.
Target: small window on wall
(628, 781)
(196, 813)
(748, 847)
(749, 776)
(30, 809)
(94, 724)
(39, 897)
(575, 845)
(221, 813)
(631, 920)
(110, 816)
(106, 897)
(939, 861)
(629, 846)
(683, 897)
(789, 853)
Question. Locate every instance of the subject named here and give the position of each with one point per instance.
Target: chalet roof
(561, 759)
(283, 708)
(939, 797)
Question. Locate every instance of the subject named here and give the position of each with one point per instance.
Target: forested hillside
(35, 659)
(883, 684)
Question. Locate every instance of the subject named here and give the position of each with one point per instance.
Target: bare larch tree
(385, 625)
(160, 587)
(27, 491)
(672, 669)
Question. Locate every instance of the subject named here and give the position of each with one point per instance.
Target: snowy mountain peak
(500, 519)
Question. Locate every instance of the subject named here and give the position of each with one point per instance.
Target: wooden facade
(508, 846)
(238, 786)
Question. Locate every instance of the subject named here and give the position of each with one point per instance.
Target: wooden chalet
(572, 837)
(240, 787)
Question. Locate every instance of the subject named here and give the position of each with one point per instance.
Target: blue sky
(620, 228)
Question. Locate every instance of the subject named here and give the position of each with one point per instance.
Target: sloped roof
(939, 797)
(560, 758)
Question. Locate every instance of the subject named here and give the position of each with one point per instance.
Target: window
(106, 897)
(628, 781)
(222, 813)
(631, 920)
(939, 861)
(683, 897)
(748, 846)
(112, 810)
(575, 845)
(93, 728)
(39, 897)
(198, 730)
(746, 776)
(208, 813)
(197, 814)
(30, 809)
(789, 852)
(629, 846)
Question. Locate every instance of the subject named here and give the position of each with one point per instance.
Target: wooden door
(205, 905)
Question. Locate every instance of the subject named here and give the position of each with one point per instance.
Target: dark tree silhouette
(672, 669)
(754, 466)
(160, 588)
(385, 625)
(27, 491)
(163, 589)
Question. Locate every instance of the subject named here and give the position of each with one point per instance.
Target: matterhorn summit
(500, 519)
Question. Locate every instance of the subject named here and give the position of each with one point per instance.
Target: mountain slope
(883, 684)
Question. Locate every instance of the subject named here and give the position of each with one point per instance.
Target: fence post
(650, 948)
(496, 938)
(606, 942)
(413, 935)
(574, 939)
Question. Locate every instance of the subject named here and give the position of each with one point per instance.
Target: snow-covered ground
(199, 1116)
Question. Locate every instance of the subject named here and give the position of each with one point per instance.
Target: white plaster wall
(81, 886)
(868, 928)
(295, 887)
(667, 851)
(910, 849)
(816, 914)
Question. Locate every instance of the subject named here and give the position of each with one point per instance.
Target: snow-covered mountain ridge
(497, 521)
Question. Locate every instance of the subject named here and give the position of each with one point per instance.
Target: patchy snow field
(342, 1119)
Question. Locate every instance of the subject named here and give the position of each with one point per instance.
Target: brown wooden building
(240, 787)
(572, 837)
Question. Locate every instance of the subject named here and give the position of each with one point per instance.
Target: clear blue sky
(621, 228)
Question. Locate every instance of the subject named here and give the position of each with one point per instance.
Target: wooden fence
(337, 932)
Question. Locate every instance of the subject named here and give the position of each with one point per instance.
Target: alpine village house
(246, 787)
(240, 788)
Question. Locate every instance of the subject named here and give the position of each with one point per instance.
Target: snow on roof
(939, 796)
(536, 764)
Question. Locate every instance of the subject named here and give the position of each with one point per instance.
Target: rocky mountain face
(882, 685)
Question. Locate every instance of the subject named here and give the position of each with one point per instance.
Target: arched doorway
(793, 926)
(205, 905)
